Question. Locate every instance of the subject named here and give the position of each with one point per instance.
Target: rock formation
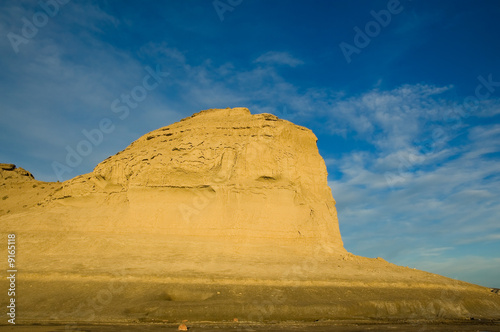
(224, 214)
(19, 191)
(223, 174)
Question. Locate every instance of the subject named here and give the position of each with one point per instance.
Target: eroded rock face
(222, 172)
(224, 214)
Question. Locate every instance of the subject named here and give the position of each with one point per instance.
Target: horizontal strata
(372, 284)
(214, 217)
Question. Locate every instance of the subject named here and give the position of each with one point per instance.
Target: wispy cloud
(433, 251)
(278, 58)
(389, 119)
(482, 238)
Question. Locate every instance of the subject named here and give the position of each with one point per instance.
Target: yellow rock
(223, 214)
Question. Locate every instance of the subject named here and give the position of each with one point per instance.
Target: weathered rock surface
(221, 173)
(224, 214)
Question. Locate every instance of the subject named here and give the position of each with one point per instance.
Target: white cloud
(390, 120)
(433, 251)
(278, 58)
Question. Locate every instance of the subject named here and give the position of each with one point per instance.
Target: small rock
(7, 167)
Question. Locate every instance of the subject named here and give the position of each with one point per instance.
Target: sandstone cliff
(224, 214)
(221, 173)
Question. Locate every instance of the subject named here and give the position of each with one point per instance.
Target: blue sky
(403, 96)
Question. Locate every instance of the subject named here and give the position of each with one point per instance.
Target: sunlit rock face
(214, 217)
(222, 173)
(213, 192)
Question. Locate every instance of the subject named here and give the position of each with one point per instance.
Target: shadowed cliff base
(222, 215)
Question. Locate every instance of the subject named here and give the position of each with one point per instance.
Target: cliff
(224, 214)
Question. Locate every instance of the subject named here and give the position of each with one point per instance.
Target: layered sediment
(224, 214)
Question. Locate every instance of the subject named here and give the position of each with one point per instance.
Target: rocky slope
(224, 214)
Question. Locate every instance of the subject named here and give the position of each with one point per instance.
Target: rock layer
(224, 214)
